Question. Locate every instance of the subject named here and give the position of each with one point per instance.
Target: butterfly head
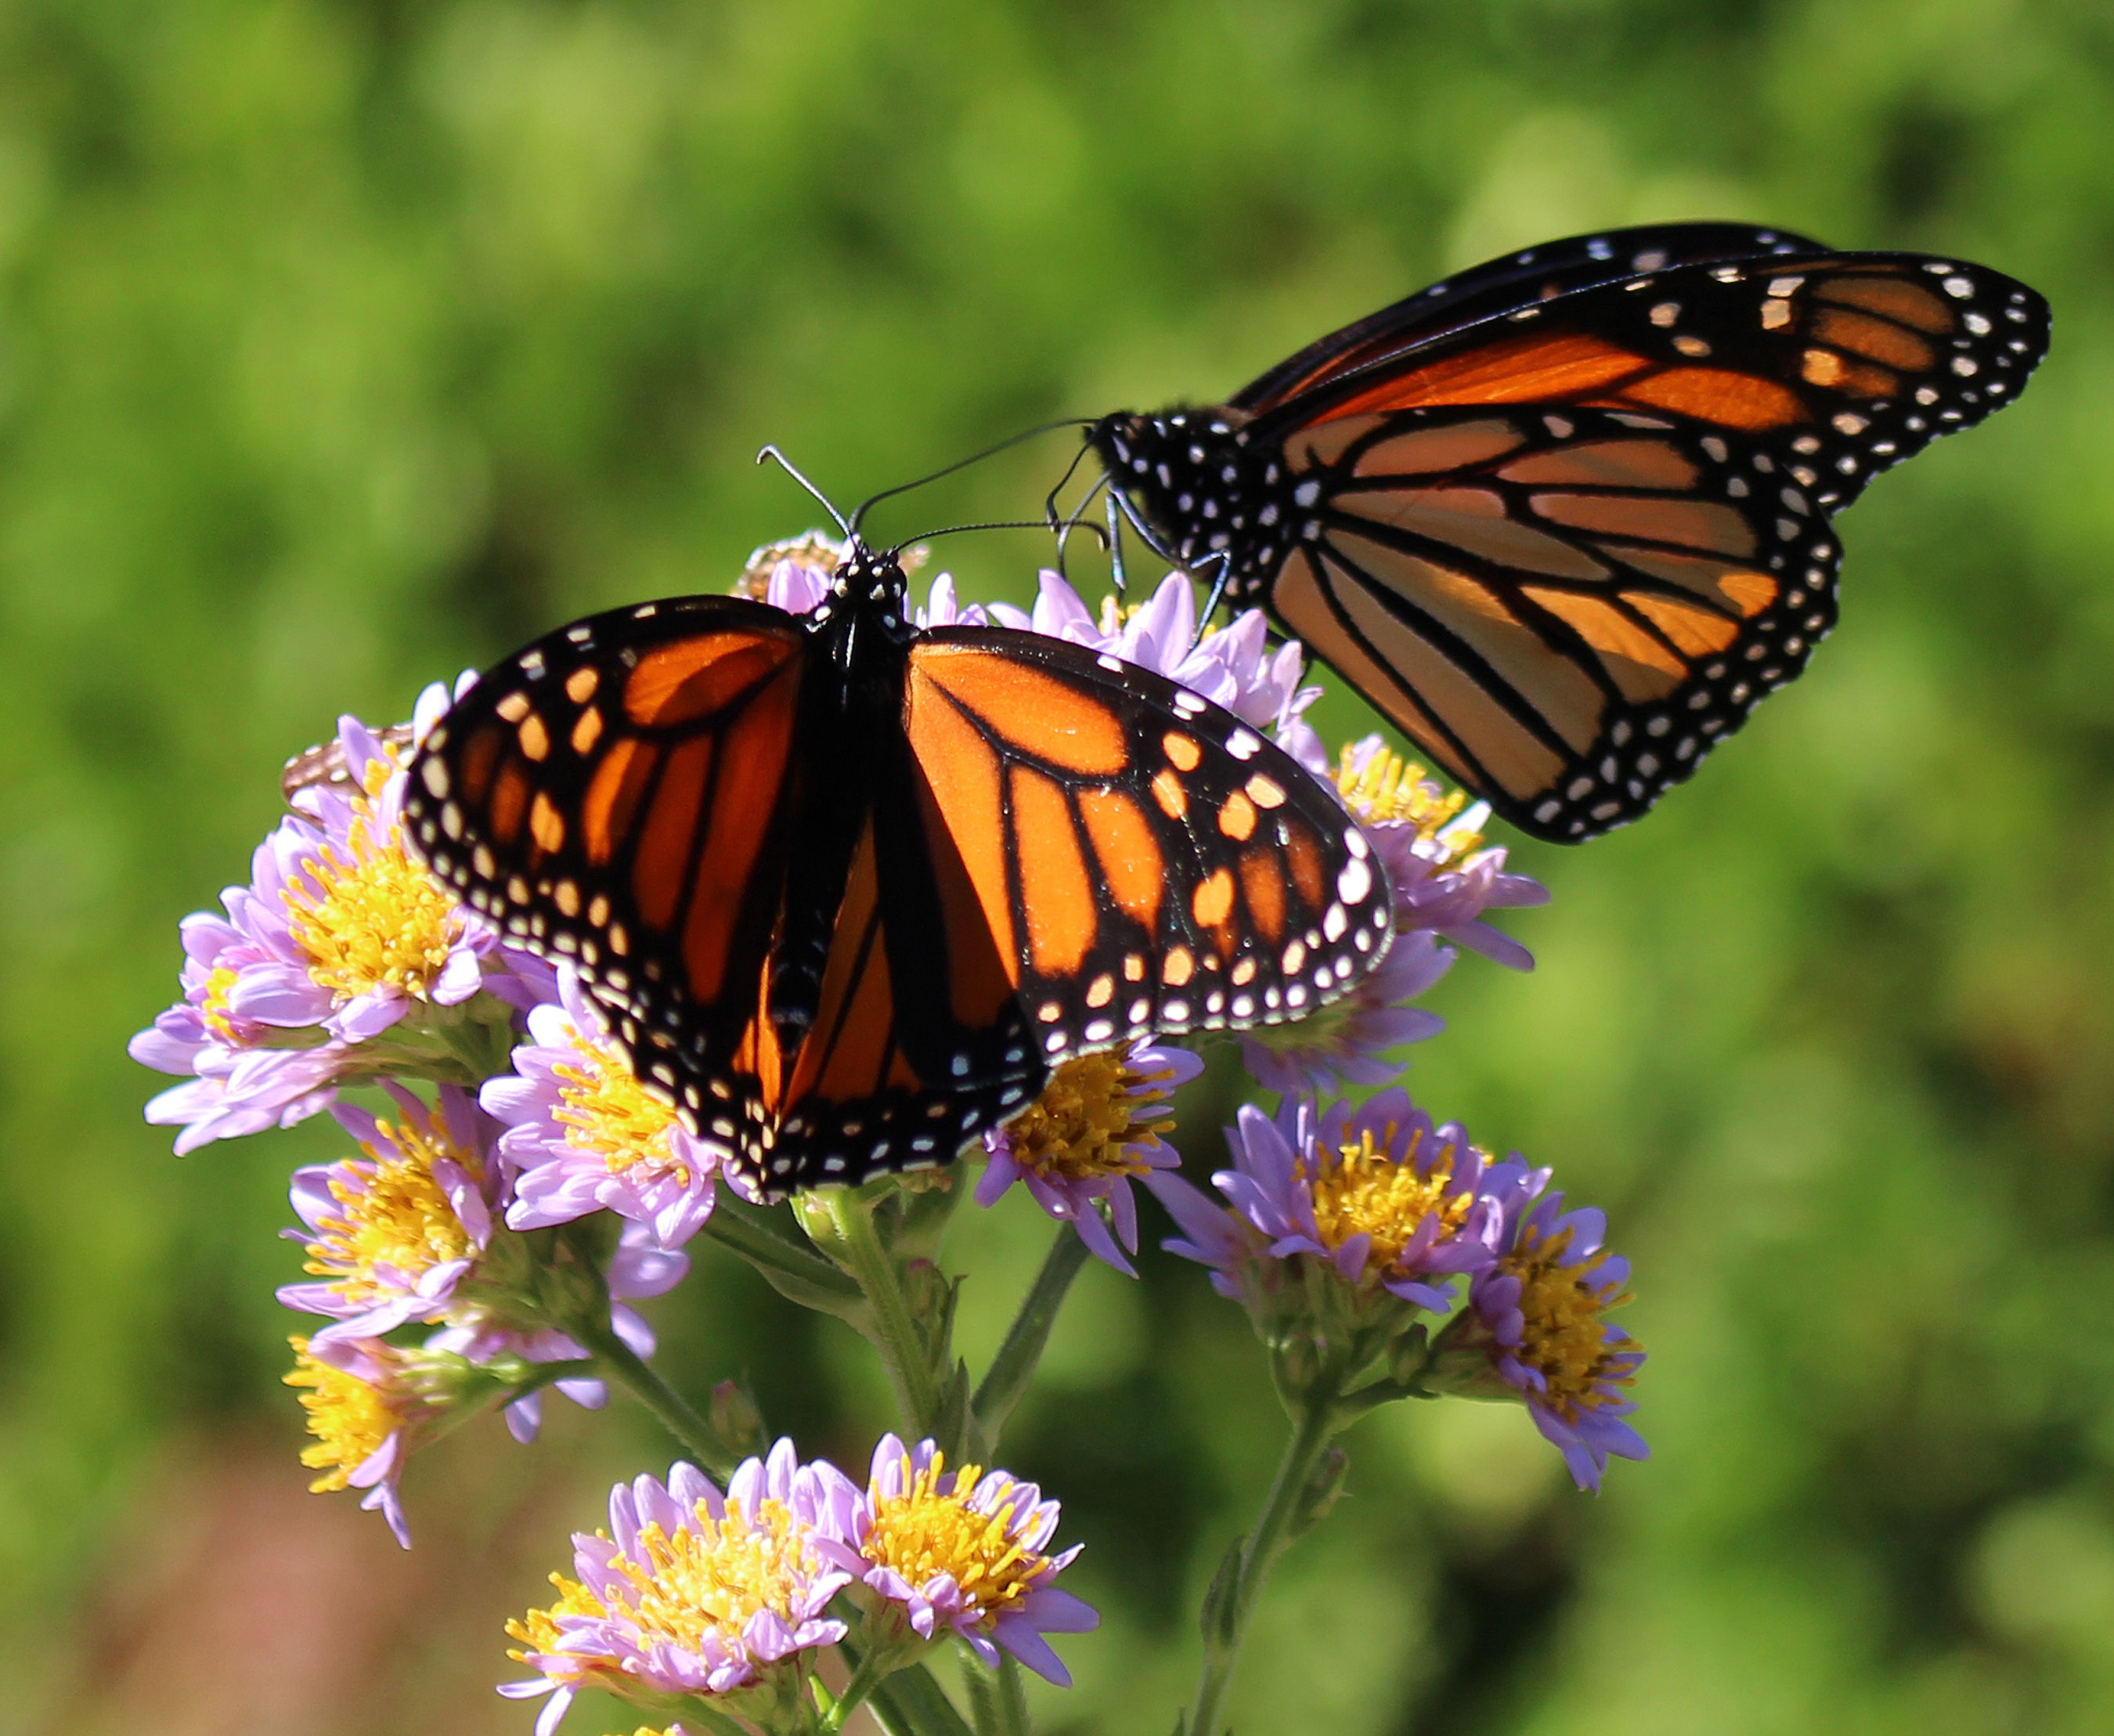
(869, 585)
(1190, 479)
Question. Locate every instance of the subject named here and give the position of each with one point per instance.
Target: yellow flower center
(1083, 1122)
(607, 1112)
(213, 1008)
(1565, 1338)
(711, 1576)
(349, 1419)
(1366, 1192)
(374, 919)
(920, 1533)
(397, 1226)
(539, 1632)
(1386, 787)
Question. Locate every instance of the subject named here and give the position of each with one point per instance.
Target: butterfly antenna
(859, 513)
(785, 464)
(949, 530)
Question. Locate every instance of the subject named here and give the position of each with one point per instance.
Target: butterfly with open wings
(1566, 518)
(850, 888)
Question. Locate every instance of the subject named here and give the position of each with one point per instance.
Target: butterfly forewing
(1503, 285)
(614, 797)
(1146, 861)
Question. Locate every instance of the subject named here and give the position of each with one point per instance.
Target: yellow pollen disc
(607, 1112)
(1565, 1337)
(1365, 1191)
(349, 1419)
(1084, 1120)
(539, 1632)
(400, 1224)
(922, 1533)
(716, 1575)
(1387, 787)
(213, 1008)
(372, 919)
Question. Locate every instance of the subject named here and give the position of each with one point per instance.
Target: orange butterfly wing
(1143, 860)
(616, 798)
(1568, 545)
(1054, 852)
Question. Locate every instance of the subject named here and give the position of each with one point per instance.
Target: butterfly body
(849, 888)
(1565, 518)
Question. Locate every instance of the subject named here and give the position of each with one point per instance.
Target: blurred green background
(346, 342)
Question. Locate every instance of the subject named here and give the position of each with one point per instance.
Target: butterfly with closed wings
(850, 888)
(1566, 518)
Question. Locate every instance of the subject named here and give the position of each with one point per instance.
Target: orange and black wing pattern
(615, 798)
(1566, 544)
(1141, 859)
(1873, 355)
(918, 1043)
(1564, 610)
(1504, 286)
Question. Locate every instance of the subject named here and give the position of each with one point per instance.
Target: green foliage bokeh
(346, 342)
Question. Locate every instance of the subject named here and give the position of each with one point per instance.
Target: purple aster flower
(411, 1233)
(1095, 1129)
(1430, 842)
(1232, 666)
(962, 1552)
(582, 1134)
(1387, 1201)
(689, 1593)
(362, 1409)
(339, 935)
(1539, 1315)
(392, 1234)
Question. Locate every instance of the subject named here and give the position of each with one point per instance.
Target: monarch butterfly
(1565, 517)
(850, 888)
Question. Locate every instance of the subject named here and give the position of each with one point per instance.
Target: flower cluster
(693, 1599)
(412, 1233)
(514, 1187)
(1339, 1226)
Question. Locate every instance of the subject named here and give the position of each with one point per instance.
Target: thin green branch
(697, 1437)
(1232, 1600)
(894, 1328)
(1006, 1381)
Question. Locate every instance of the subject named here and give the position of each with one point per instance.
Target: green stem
(795, 1271)
(1007, 1378)
(698, 1438)
(1226, 1625)
(873, 1669)
(894, 1328)
(912, 1703)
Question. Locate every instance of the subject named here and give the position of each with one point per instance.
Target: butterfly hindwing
(1564, 611)
(1145, 860)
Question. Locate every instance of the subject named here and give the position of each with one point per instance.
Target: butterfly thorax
(1212, 498)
